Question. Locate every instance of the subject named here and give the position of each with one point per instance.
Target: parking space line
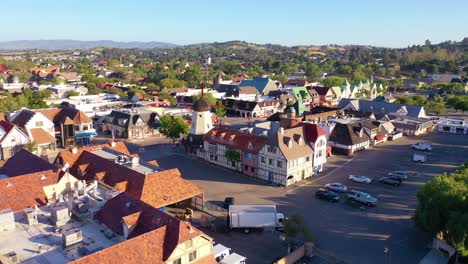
(320, 177)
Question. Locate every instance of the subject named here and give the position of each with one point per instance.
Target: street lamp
(385, 250)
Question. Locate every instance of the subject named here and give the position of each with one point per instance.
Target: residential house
(263, 85)
(37, 126)
(248, 108)
(376, 131)
(71, 126)
(12, 139)
(315, 98)
(232, 149)
(303, 96)
(130, 124)
(317, 138)
(296, 83)
(327, 96)
(382, 108)
(347, 138)
(286, 158)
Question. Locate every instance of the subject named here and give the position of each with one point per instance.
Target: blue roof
(259, 83)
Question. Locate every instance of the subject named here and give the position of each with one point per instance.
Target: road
(348, 232)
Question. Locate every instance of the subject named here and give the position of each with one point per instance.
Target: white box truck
(255, 216)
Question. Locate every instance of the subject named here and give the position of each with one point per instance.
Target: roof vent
(43, 177)
(74, 150)
(128, 204)
(11, 257)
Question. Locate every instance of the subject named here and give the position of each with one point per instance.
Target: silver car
(360, 178)
(336, 186)
(400, 174)
(362, 197)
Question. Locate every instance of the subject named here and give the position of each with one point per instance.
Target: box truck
(255, 216)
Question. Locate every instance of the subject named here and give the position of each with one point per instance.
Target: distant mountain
(66, 44)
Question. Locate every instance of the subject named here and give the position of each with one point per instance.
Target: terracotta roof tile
(26, 190)
(240, 140)
(40, 136)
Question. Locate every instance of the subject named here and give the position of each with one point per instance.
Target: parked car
(420, 158)
(328, 195)
(422, 146)
(360, 178)
(397, 178)
(401, 174)
(336, 186)
(362, 197)
(228, 201)
(391, 181)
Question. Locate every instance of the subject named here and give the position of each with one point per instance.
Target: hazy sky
(393, 23)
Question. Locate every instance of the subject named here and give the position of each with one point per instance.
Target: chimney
(74, 150)
(281, 130)
(112, 144)
(135, 161)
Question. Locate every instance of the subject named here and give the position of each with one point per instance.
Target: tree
(295, 229)
(332, 81)
(232, 155)
(72, 93)
(193, 75)
(92, 89)
(173, 127)
(167, 96)
(313, 71)
(443, 208)
(208, 97)
(30, 146)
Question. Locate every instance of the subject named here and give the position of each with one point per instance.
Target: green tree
(313, 71)
(193, 75)
(173, 127)
(443, 208)
(72, 93)
(295, 229)
(208, 97)
(92, 89)
(232, 155)
(332, 81)
(30, 146)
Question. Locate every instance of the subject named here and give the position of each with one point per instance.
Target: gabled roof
(348, 134)
(322, 91)
(312, 131)
(7, 126)
(259, 83)
(40, 136)
(23, 117)
(67, 156)
(235, 139)
(153, 240)
(291, 142)
(26, 190)
(66, 116)
(24, 162)
(382, 107)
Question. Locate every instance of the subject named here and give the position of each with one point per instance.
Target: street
(353, 234)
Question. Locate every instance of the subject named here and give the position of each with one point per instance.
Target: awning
(85, 135)
(380, 137)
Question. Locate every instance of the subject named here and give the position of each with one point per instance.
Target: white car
(336, 186)
(422, 146)
(360, 178)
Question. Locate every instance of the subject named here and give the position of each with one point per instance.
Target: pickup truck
(362, 197)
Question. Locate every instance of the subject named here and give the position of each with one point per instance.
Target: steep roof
(291, 142)
(235, 139)
(7, 126)
(67, 156)
(153, 240)
(66, 116)
(382, 107)
(321, 90)
(23, 117)
(26, 190)
(348, 134)
(40, 136)
(312, 131)
(24, 162)
(259, 83)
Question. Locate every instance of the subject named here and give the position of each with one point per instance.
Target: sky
(390, 23)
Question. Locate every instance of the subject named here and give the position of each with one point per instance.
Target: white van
(421, 158)
(422, 146)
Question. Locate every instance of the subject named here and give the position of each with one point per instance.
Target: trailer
(255, 216)
(420, 158)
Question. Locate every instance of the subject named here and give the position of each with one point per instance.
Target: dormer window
(250, 146)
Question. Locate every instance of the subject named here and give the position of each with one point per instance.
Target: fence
(214, 210)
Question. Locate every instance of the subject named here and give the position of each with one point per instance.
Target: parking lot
(354, 234)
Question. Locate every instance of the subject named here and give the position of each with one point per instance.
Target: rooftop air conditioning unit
(71, 237)
(11, 257)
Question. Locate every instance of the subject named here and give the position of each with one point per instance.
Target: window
(177, 261)
(77, 128)
(271, 149)
(270, 162)
(192, 256)
(85, 127)
(246, 167)
(262, 159)
(279, 164)
(39, 124)
(307, 159)
(248, 155)
(233, 163)
(252, 169)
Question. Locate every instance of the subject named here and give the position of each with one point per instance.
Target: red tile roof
(40, 136)
(26, 190)
(24, 162)
(158, 189)
(312, 131)
(67, 156)
(235, 139)
(152, 240)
